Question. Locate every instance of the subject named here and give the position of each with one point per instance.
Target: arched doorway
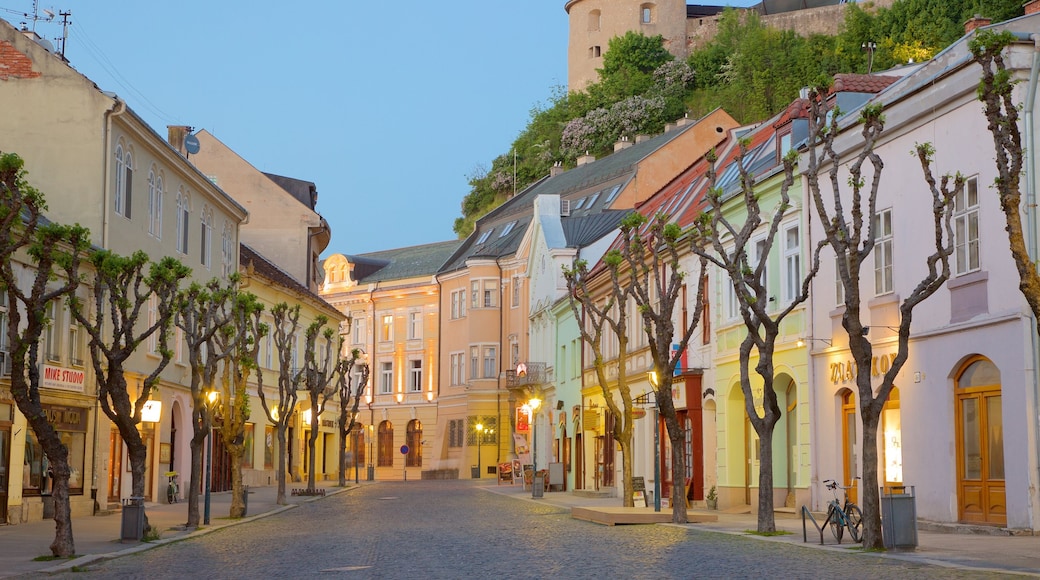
(980, 444)
(413, 438)
(892, 441)
(790, 417)
(385, 444)
(849, 442)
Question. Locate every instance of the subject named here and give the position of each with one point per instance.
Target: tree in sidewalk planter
(596, 317)
(320, 362)
(122, 291)
(850, 227)
(996, 91)
(279, 412)
(238, 345)
(200, 312)
(349, 400)
(51, 247)
(747, 276)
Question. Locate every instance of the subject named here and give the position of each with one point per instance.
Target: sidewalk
(97, 537)
(1018, 555)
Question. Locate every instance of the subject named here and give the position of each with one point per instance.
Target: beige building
(391, 299)
(100, 165)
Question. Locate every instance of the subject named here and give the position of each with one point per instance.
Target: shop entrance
(980, 444)
(115, 465)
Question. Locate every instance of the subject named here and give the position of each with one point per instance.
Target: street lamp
(654, 382)
(480, 437)
(536, 491)
(211, 399)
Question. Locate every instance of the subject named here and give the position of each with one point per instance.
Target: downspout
(1031, 237)
(814, 462)
(501, 346)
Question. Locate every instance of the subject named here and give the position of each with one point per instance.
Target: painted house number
(842, 372)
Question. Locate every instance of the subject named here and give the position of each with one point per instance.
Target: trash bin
(899, 517)
(371, 473)
(538, 487)
(474, 472)
(245, 500)
(132, 528)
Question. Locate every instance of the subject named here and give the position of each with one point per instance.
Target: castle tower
(594, 22)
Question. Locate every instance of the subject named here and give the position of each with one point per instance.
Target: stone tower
(594, 22)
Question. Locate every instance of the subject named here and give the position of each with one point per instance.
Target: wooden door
(850, 444)
(980, 445)
(115, 466)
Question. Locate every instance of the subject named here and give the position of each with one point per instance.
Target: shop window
(413, 438)
(385, 441)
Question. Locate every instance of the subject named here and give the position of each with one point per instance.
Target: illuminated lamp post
(211, 399)
(652, 376)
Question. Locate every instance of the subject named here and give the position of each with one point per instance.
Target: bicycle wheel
(855, 519)
(834, 520)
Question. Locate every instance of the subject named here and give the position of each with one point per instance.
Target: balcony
(531, 373)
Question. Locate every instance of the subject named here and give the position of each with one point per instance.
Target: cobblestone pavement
(451, 529)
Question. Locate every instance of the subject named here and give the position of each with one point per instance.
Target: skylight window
(592, 199)
(507, 229)
(613, 193)
(581, 202)
(484, 236)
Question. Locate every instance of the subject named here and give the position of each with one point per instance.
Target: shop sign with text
(55, 377)
(845, 371)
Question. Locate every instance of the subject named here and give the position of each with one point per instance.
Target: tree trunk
(280, 473)
(138, 453)
(679, 514)
(870, 503)
(58, 464)
(238, 505)
(195, 484)
(766, 519)
(343, 457)
(311, 476)
(626, 473)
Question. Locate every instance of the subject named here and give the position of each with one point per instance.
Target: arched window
(206, 241)
(124, 180)
(414, 442)
(183, 215)
(385, 442)
(646, 13)
(155, 203)
(227, 249)
(849, 441)
(594, 18)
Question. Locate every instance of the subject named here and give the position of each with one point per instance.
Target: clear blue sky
(387, 107)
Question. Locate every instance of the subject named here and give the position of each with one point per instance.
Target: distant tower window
(594, 52)
(646, 13)
(594, 21)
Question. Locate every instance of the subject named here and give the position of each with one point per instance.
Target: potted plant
(712, 499)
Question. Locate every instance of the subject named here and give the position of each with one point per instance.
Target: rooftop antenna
(65, 22)
(36, 14)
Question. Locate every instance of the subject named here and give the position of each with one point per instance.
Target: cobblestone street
(453, 529)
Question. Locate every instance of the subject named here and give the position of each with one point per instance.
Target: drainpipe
(1031, 235)
(501, 359)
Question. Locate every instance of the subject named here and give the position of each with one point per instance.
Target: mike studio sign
(845, 371)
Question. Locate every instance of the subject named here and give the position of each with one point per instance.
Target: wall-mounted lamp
(151, 412)
(400, 398)
(429, 396)
(802, 341)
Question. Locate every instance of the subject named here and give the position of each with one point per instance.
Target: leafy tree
(52, 248)
(996, 91)
(200, 312)
(320, 363)
(349, 399)
(634, 53)
(279, 412)
(851, 230)
(739, 218)
(238, 345)
(122, 289)
(602, 315)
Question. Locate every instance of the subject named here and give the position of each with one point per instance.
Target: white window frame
(883, 253)
(839, 287)
(52, 342)
(183, 221)
(489, 358)
(792, 262)
(415, 330)
(386, 327)
(474, 362)
(124, 180)
(75, 355)
(516, 292)
(269, 347)
(458, 368)
(415, 375)
(967, 256)
(359, 328)
(458, 304)
(227, 249)
(153, 315)
(386, 378)
(206, 239)
(156, 196)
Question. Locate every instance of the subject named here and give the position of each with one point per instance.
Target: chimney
(623, 143)
(557, 167)
(976, 21)
(1032, 7)
(686, 120)
(641, 138)
(668, 127)
(176, 135)
(585, 159)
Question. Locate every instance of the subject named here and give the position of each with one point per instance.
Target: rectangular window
(155, 205)
(75, 356)
(514, 354)
(966, 228)
(415, 325)
(153, 313)
(183, 218)
(706, 315)
(247, 455)
(53, 343)
(516, 291)
(732, 303)
(415, 375)
(647, 15)
(458, 362)
(490, 363)
(883, 252)
(269, 349)
(474, 362)
(206, 240)
(386, 331)
(760, 257)
(458, 304)
(475, 294)
(455, 433)
(839, 287)
(386, 378)
(360, 329)
(792, 263)
(490, 294)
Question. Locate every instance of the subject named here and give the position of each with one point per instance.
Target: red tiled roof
(853, 83)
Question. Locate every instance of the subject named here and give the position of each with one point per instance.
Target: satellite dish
(191, 144)
(46, 44)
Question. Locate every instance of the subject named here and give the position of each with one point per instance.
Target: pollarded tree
(320, 363)
(238, 345)
(596, 317)
(730, 235)
(349, 400)
(122, 291)
(279, 412)
(52, 248)
(646, 264)
(996, 91)
(200, 312)
(851, 224)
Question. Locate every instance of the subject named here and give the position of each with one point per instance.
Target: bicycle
(841, 516)
(172, 490)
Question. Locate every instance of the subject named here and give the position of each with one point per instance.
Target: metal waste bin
(899, 517)
(538, 485)
(371, 475)
(474, 472)
(132, 528)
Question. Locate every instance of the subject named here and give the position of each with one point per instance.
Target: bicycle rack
(805, 533)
